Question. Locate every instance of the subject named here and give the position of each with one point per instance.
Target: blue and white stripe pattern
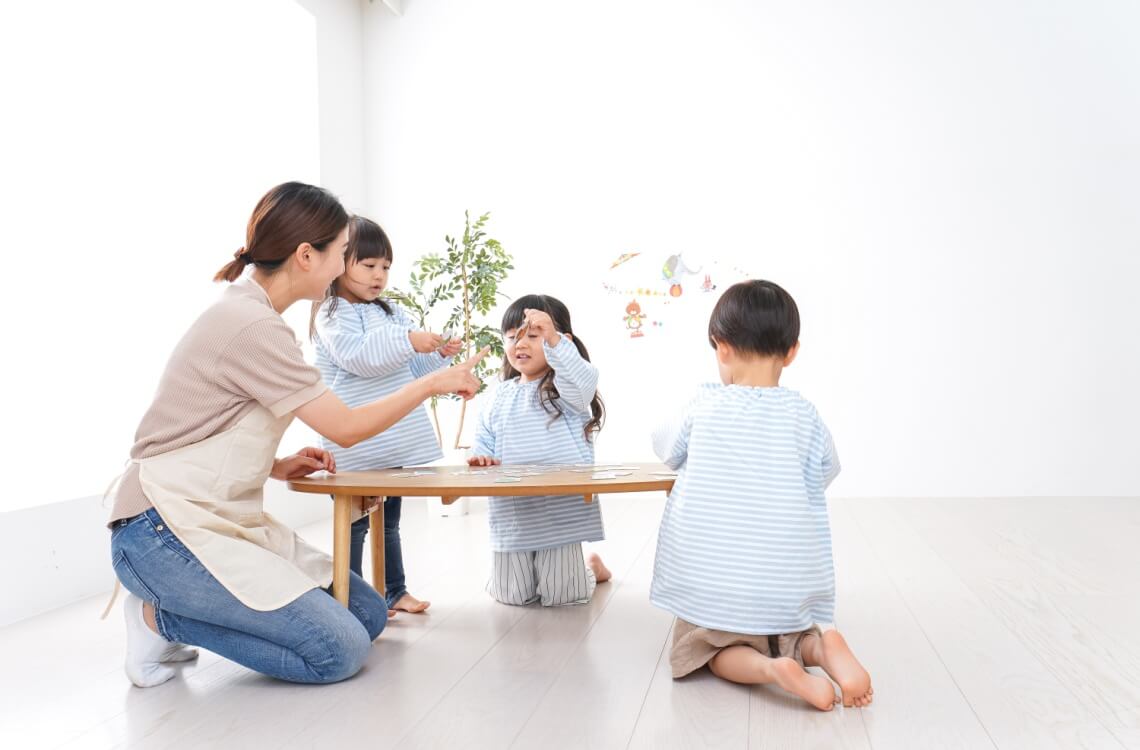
(745, 544)
(364, 354)
(552, 577)
(516, 430)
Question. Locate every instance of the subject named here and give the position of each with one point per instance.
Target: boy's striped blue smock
(745, 544)
(515, 429)
(364, 354)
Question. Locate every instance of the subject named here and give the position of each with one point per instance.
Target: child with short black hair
(744, 552)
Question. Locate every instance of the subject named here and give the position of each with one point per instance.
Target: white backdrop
(949, 190)
(136, 139)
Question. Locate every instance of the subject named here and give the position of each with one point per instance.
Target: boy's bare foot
(748, 666)
(841, 665)
(601, 572)
(408, 603)
(817, 691)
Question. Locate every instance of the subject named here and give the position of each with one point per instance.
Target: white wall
(949, 190)
(137, 138)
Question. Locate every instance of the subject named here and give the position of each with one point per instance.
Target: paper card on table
(610, 474)
(504, 480)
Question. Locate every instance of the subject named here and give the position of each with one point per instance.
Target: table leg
(376, 527)
(342, 536)
(589, 498)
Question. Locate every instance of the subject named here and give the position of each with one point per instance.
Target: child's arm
(829, 460)
(671, 437)
(367, 353)
(483, 447)
(671, 440)
(424, 362)
(575, 379)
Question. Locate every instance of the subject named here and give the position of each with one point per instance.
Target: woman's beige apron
(210, 495)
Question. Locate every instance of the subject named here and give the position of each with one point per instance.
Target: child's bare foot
(817, 691)
(601, 572)
(748, 666)
(841, 665)
(408, 603)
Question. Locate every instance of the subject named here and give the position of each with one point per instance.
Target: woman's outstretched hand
(303, 463)
(459, 379)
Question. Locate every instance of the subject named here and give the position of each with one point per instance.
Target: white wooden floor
(984, 624)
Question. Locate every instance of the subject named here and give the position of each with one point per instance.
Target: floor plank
(605, 680)
(1019, 702)
(491, 703)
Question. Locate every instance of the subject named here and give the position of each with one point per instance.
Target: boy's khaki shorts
(694, 646)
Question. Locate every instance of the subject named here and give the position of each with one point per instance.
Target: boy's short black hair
(756, 317)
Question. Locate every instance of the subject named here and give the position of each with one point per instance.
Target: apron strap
(114, 596)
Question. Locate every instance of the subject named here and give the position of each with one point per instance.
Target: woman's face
(328, 265)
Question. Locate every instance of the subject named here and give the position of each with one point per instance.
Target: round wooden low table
(349, 490)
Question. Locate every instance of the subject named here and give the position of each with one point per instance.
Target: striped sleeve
(829, 461)
(484, 442)
(671, 440)
(574, 377)
(420, 364)
(423, 364)
(671, 436)
(363, 352)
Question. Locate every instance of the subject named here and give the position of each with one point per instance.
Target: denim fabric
(313, 639)
(395, 585)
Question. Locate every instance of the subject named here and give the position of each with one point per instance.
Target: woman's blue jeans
(395, 585)
(312, 639)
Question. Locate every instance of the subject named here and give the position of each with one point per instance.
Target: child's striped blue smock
(745, 544)
(364, 354)
(515, 429)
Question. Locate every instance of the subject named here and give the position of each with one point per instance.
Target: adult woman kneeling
(204, 563)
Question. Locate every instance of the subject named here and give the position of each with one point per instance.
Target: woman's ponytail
(232, 271)
(287, 216)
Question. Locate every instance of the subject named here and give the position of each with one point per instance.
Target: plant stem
(435, 419)
(466, 318)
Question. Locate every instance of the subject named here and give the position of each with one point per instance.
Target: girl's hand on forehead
(540, 324)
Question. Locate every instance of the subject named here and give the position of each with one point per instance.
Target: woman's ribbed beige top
(239, 352)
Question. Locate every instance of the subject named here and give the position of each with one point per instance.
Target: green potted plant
(454, 292)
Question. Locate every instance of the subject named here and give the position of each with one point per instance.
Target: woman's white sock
(178, 652)
(145, 648)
